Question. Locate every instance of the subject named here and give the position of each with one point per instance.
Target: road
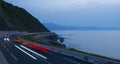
(16, 53)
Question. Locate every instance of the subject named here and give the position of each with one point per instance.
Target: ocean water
(106, 43)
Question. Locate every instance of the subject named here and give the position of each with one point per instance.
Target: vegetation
(30, 38)
(16, 18)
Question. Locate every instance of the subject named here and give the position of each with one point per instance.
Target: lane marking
(13, 56)
(46, 61)
(72, 61)
(25, 52)
(33, 52)
(7, 50)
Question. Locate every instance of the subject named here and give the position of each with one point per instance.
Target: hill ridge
(16, 18)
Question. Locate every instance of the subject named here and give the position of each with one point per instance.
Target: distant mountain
(53, 26)
(16, 18)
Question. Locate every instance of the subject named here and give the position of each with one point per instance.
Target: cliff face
(15, 18)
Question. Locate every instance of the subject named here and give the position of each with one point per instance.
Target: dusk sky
(74, 12)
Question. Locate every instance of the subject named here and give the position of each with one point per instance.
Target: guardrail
(85, 57)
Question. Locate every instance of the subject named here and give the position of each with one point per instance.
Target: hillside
(16, 18)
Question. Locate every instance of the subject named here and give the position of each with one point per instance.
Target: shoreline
(71, 49)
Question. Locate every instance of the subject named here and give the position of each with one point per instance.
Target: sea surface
(106, 43)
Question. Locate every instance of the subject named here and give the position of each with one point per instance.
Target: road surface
(16, 53)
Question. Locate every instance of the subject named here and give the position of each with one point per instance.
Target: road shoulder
(2, 59)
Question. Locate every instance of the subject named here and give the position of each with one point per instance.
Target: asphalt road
(16, 53)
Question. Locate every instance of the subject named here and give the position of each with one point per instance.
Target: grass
(30, 38)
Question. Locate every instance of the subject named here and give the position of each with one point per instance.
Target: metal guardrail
(85, 57)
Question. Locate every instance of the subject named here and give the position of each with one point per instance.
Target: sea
(101, 42)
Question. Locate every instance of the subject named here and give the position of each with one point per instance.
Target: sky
(74, 12)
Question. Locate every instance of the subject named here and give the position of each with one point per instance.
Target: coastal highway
(16, 53)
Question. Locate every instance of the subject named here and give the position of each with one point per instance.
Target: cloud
(64, 4)
(95, 12)
(68, 4)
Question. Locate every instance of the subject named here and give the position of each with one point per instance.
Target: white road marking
(46, 61)
(25, 52)
(72, 61)
(7, 50)
(13, 56)
(33, 52)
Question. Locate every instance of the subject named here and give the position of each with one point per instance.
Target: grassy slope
(30, 38)
(16, 18)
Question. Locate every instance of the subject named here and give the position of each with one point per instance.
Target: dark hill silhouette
(16, 18)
